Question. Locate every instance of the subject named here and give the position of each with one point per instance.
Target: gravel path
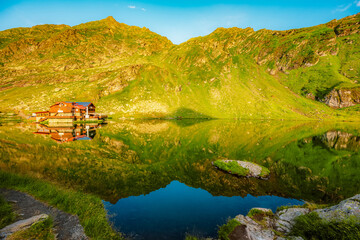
(66, 226)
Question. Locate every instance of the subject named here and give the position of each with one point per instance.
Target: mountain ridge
(130, 71)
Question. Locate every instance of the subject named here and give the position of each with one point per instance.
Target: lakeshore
(132, 169)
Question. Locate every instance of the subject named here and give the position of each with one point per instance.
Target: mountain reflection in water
(310, 161)
(177, 210)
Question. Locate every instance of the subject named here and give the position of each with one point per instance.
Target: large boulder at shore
(262, 224)
(250, 229)
(286, 218)
(348, 208)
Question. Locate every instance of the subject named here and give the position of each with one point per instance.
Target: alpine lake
(156, 177)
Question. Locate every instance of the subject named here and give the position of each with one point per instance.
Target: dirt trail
(66, 226)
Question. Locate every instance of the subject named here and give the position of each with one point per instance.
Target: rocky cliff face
(342, 98)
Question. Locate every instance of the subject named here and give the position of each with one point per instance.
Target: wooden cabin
(69, 112)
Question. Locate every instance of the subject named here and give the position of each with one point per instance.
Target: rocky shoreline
(263, 224)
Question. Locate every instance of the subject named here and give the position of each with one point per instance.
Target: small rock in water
(255, 170)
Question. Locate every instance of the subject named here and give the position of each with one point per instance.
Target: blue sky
(178, 20)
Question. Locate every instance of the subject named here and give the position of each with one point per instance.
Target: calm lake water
(157, 179)
(170, 212)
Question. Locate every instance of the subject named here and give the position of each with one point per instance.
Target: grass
(88, 208)
(253, 212)
(264, 172)
(9, 117)
(311, 226)
(226, 229)
(7, 216)
(232, 167)
(189, 80)
(189, 237)
(40, 231)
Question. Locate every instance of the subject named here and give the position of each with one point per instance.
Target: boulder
(344, 210)
(342, 98)
(251, 230)
(255, 170)
(21, 225)
(286, 218)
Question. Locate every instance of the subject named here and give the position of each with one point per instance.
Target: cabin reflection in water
(71, 133)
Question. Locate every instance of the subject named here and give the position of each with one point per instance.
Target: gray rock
(342, 98)
(348, 208)
(253, 230)
(286, 218)
(21, 225)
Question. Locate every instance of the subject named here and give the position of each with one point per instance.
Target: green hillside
(129, 71)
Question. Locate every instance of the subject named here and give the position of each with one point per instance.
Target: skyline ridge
(112, 19)
(178, 20)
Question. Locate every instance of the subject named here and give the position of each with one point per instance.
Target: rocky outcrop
(341, 140)
(250, 229)
(342, 98)
(344, 210)
(278, 226)
(261, 224)
(21, 225)
(286, 218)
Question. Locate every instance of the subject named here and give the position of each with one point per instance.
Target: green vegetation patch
(231, 167)
(7, 216)
(88, 208)
(265, 172)
(226, 229)
(311, 226)
(308, 205)
(259, 215)
(255, 211)
(40, 230)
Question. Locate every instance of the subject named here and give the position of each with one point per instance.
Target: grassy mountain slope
(132, 72)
